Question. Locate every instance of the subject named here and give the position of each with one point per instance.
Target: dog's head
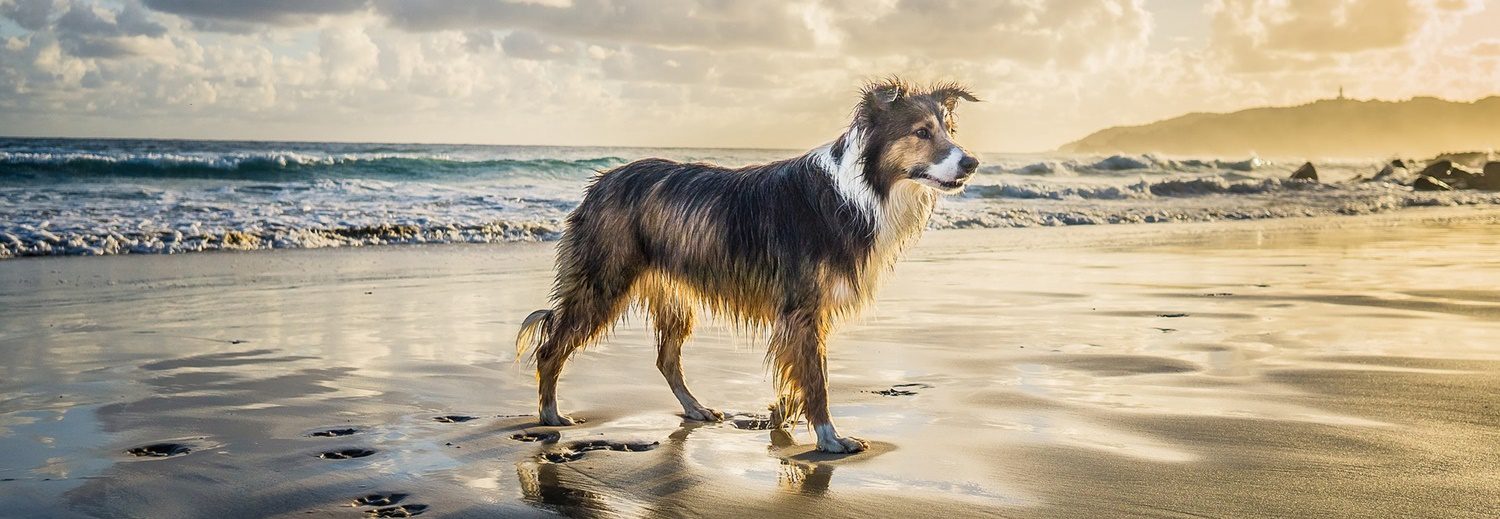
(910, 136)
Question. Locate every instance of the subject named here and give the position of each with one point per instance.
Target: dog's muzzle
(951, 174)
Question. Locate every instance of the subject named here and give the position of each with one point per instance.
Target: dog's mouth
(946, 186)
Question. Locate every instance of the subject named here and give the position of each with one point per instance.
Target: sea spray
(102, 197)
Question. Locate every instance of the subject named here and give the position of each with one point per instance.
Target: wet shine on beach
(1335, 366)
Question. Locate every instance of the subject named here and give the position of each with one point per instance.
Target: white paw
(703, 414)
(843, 445)
(557, 420)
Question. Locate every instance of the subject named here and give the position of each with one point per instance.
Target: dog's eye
(922, 133)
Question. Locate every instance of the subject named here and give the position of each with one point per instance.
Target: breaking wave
(1177, 187)
(285, 165)
(101, 197)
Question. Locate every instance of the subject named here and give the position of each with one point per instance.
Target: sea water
(118, 196)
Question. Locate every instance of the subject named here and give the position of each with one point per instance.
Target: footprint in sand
(453, 418)
(160, 450)
(560, 457)
(902, 389)
(386, 499)
(329, 433)
(346, 454)
(397, 511)
(544, 436)
(577, 450)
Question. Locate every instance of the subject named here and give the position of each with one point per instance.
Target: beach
(1331, 366)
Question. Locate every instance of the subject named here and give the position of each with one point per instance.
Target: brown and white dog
(794, 245)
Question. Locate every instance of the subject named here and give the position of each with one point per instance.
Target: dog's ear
(876, 97)
(948, 95)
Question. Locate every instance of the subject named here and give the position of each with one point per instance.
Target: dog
(793, 245)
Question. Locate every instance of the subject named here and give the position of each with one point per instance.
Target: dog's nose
(968, 164)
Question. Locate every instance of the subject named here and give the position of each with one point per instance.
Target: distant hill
(1347, 128)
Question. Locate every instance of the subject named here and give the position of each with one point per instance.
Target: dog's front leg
(802, 373)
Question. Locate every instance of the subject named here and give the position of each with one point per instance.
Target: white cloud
(694, 72)
(348, 56)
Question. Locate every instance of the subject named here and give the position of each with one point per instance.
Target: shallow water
(111, 196)
(1328, 367)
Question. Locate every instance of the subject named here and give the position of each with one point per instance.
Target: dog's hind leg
(797, 355)
(584, 312)
(674, 323)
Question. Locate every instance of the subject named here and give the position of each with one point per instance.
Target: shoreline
(538, 232)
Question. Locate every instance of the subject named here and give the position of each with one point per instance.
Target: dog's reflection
(664, 485)
(797, 476)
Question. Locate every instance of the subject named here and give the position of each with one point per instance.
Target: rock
(1455, 176)
(1306, 172)
(1438, 169)
(1428, 183)
(1460, 178)
(1489, 179)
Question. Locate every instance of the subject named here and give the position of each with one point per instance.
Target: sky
(705, 73)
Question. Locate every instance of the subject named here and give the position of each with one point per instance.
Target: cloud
(282, 12)
(1486, 49)
(348, 56)
(28, 14)
(654, 65)
(692, 23)
(89, 31)
(525, 44)
(1035, 32)
(700, 72)
(1262, 35)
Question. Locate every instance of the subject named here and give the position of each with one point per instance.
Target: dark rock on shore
(1429, 183)
(1489, 179)
(1461, 178)
(1437, 169)
(1306, 172)
(1440, 175)
(1446, 171)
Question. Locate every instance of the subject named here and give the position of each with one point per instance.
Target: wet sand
(1307, 367)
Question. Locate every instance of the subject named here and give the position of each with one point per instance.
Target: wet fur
(792, 246)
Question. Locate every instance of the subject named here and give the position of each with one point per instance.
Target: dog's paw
(703, 414)
(843, 445)
(558, 420)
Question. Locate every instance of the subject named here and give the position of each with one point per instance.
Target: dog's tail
(534, 330)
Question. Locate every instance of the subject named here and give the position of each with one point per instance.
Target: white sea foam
(60, 197)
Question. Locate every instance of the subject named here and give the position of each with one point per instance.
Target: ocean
(126, 196)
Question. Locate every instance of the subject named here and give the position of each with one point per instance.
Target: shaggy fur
(792, 245)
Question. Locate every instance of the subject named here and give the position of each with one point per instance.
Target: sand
(1305, 367)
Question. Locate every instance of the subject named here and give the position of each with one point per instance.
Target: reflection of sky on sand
(1039, 363)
